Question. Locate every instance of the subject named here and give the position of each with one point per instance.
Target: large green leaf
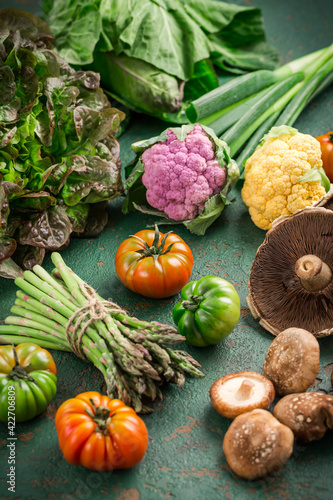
(140, 85)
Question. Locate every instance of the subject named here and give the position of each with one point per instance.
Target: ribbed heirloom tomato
(154, 264)
(28, 376)
(100, 433)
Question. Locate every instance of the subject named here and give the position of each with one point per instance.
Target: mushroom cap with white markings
(308, 414)
(257, 444)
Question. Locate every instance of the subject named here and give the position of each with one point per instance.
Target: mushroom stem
(245, 390)
(313, 273)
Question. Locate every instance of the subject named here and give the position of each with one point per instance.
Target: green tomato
(28, 382)
(208, 312)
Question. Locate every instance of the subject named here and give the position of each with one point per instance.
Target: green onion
(230, 115)
(229, 93)
(256, 112)
(252, 144)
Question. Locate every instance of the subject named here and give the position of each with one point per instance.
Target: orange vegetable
(100, 433)
(154, 264)
(326, 144)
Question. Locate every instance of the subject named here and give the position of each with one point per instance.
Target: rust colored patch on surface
(132, 494)
(183, 429)
(244, 312)
(100, 263)
(26, 437)
(328, 368)
(193, 471)
(51, 410)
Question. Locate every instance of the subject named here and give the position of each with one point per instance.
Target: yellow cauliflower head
(272, 184)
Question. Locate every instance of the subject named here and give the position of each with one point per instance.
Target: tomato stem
(19, 372)
(193, 303)
(331, 137)
(100, 415)
(155, 250)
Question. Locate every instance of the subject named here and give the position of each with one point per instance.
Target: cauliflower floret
(180, 176)
(272, 184)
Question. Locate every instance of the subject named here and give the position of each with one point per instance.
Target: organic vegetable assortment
(30, 373)
(59, 166)
(208, 312)
(154, 264)
(100, 433)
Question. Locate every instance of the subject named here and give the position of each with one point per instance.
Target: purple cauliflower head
(180, 176)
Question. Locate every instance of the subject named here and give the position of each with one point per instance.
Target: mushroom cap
(276, 294)
(292, 361)
(257, 444)
(241, 392)
(308, 414)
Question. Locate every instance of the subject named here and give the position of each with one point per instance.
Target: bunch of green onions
(244, 109)
(133, 355)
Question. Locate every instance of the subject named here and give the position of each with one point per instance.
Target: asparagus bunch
(60, 311)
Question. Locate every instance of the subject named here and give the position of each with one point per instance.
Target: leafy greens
(59, 159)
(146, 50)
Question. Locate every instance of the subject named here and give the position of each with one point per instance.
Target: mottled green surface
(184, 459)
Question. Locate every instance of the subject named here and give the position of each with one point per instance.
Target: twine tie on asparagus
(94, 310)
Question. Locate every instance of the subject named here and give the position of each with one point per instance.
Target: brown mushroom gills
(314, 274)
(308, 414)
(277, 295)
(292, 361)
(257, 444)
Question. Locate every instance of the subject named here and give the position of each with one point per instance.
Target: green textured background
(184, 458)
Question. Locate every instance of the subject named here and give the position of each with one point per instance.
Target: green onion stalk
(60, 311)
(244, 109)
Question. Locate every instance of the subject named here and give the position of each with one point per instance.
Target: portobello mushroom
(291, 283)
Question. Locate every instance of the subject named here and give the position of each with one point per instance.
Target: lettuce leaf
(57, 144)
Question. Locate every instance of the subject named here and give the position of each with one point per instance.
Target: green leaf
(238, 60)
(49, 229)
(142, 86)
(78, 43)
(203, 80)
(277, 132)
(9, 269)
(213, 209)
(317, 175)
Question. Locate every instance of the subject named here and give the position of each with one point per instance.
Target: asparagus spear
(61, 311)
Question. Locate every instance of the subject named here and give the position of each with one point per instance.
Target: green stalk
(17, 339)
(237, 111)
(298, 103)
(328, 80)
(308, 64)
(318, 62)
(275, 108)
(251, 145)
(229, 93)
(256, 112)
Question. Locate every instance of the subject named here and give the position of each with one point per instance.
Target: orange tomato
(100, 433)
(154, 264)
(326, 144)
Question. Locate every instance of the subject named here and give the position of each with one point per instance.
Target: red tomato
(154, 264)
(326, 144)
(100, 433)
